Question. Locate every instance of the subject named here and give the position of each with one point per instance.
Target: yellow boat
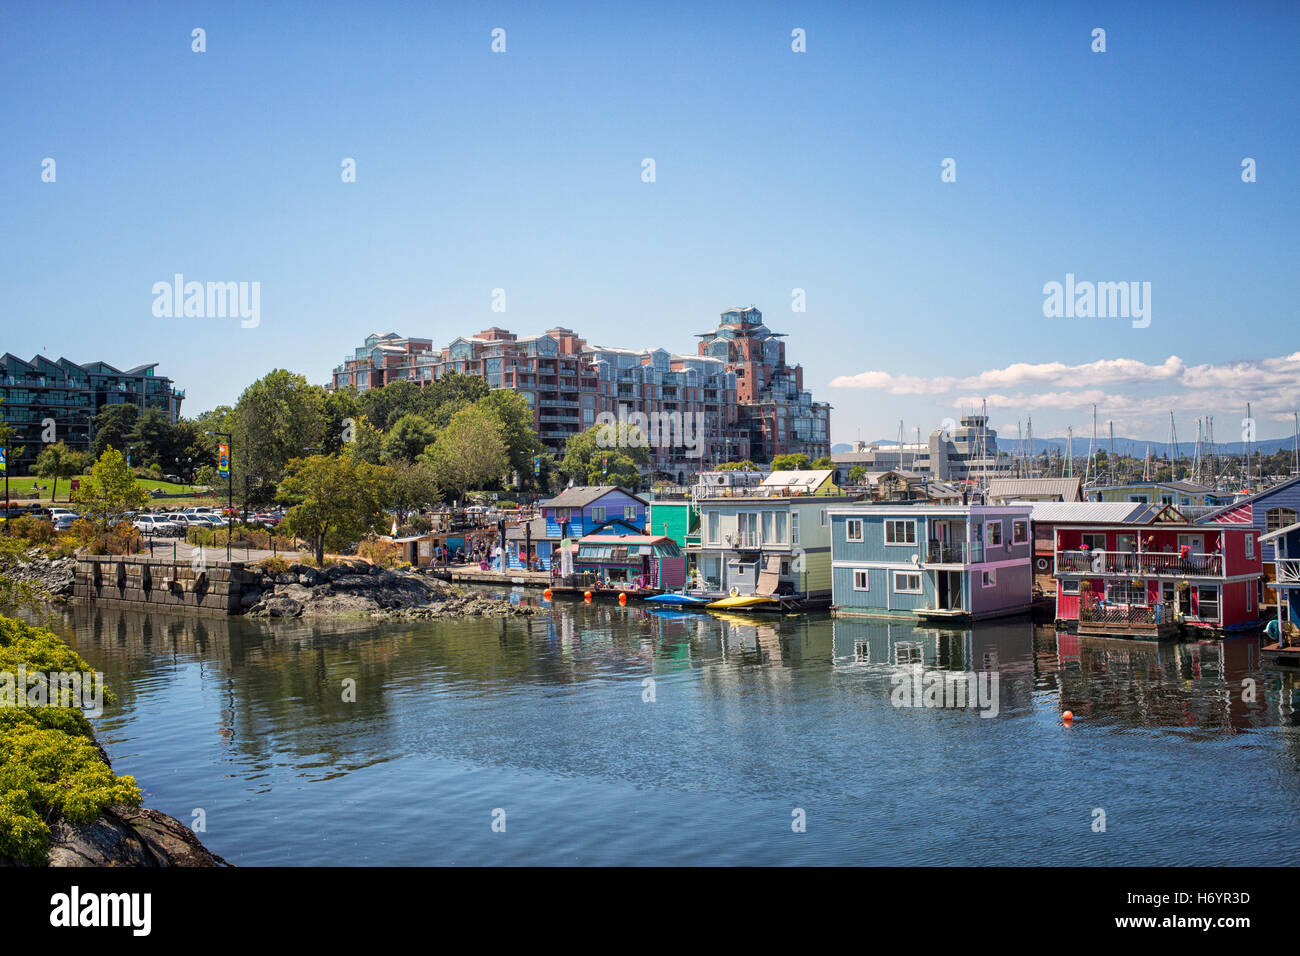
(741, 601)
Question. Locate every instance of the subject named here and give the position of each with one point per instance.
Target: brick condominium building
(749, 402)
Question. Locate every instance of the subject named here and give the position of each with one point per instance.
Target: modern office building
(967, 451)
(69, 395)
(735, 399)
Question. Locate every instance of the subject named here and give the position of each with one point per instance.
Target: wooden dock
(511, 577)
(1287, 656)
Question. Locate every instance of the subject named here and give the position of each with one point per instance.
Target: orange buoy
(586, 595)
(622, 599)
(1068, 716)
(547, 594)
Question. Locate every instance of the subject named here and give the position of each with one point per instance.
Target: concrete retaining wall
(139, 581)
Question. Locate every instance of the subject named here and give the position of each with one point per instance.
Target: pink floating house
(642, 561)
(1146, 576)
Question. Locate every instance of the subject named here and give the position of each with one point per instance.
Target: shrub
(33, 529)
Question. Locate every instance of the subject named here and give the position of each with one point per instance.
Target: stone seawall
(140, 581)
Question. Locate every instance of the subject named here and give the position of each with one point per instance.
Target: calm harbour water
(545, 719)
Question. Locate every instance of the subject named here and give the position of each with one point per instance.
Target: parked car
(215, 521)
(64, 522)
(158, 524)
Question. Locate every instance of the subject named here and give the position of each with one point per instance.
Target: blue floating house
(937, 562)
(588, 509)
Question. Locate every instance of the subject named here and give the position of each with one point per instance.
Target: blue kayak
(676, 600)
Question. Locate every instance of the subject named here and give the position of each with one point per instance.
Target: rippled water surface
(751, 720)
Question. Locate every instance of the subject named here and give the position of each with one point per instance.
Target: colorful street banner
(223, 460)
(4, 459)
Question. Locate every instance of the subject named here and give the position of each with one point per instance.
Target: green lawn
(22, 487)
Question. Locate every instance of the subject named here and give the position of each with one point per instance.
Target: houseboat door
(949, 597)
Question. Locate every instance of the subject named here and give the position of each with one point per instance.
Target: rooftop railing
(1143, 563)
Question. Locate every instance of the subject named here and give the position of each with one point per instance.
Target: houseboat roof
(1059, 489)
(1078, 512)
(798, 479)
(625, 539)
(1280, 532)
(580, 496)
(535, 526)
(1249, 499)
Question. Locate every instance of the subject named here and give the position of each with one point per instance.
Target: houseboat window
(907, 582)
(989, 578)
(629, 512)
(1166, 499)
(853, 529)
(1093, 542)
(794, 527)
(713, 527)
(785, 569)
(1250, 595)
(995, 534)
(1138, 499)
(1069, 587)
(1250, 545)
(823, 517)
(598, 513)
(860, 581)
(1192, 542)
(1125, 592)
(1276, 518)
(780, 527)
(900, 531)
(1208, 608)
(561, 515)
(1019, 532)
(767, 527)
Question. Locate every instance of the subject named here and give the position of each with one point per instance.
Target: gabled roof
(1248, 501)
(798, 479)
(580, 496)
(1062, 489)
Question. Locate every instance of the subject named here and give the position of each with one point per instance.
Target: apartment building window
(861, 581)
(712, 520)
(853, 529)
(907, 582)
(1208, 605)
(1019, 532)
(900, 531)
(994, 534)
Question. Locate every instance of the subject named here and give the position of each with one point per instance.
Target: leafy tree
(367, 443)
(278, 418)
(335, 500)
(112, 428)
(7, 435)
(343, 412)
(386, 404)
(412, 486)
(469, 452)
(410, 435)
(745, 465)
(797, 461)
(444, 397)
(857, 474)
(516, 417)
(589, 455)
(59, 461)
(823, 463)
(154, 440)
(109, 490)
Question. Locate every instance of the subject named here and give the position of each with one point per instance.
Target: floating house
(1156, 571)
(1266, 511)
(641, 561)
(1177, 493)
(528, 538)
(587, 509)
(771, 540)
(1044, 518)
(1012, 490)
(953, 562)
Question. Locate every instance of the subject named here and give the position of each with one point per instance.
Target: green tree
(59, 461)
(410, 435)
(385, 405)
(745, 465)
(469, 452)
(112, 428)
(411, 486)
(444, 397)
(823, 463)
(278, 418)
(334, 500)
(797, 461)
(365, 442)
(343, 410)
(856, 474)
(109, 490)
(516, 417)
(589, 455)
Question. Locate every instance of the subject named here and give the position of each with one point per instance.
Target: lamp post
(230, 488)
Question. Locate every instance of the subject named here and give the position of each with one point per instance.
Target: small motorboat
(678, 599)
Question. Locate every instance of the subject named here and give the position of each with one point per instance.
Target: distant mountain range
(1135, 447)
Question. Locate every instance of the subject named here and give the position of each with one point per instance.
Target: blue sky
(775, 170)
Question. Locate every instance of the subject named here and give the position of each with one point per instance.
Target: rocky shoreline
(360, 588)
(44, 574)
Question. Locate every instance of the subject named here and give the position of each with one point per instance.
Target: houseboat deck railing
(943, 552)
(1149, 563)
(1288, 570)
(1141, 615)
